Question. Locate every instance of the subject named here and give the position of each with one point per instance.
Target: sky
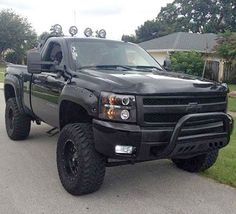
(117, 17)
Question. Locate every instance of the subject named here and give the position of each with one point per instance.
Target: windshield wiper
(144, 67)
(107, 67)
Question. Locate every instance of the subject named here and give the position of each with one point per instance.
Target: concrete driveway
(29, 184)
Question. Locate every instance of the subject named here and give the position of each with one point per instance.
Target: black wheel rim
(10, 118)
(71, 158)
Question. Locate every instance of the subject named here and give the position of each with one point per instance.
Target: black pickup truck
(114, 104)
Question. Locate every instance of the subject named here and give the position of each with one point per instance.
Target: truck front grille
(182, 100)
(167, 110)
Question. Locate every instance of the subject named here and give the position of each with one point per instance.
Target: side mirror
(167, 64)
(34, 62)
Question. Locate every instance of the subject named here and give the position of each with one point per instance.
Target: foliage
(200, 16)
(14, 57)
(129, 38)
(188, 62)
(149, 30)
(15, 34)
(197, 16)
(43, 35)
(226, 47)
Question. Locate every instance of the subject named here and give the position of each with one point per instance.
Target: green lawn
(224, 171)
(232, 104)
(232, 101)
(232, 87)
(2, 73)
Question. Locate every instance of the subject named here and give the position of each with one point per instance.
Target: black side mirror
(34, 62)
(167, 64)
(36, 65)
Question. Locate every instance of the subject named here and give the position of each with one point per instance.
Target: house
(161, 48)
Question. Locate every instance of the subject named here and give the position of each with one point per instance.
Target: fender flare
(81, 96)
(15, 83)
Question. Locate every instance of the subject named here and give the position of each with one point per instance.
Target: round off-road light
(102, 33)
(57, 28)
(88, 32)
(125, 101)
(124, 114)
(73, 30)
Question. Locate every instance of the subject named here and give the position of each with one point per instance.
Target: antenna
(204, 68)
(74, 17)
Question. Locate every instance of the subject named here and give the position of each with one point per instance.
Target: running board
(53, 131)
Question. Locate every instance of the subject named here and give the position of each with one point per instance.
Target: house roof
(182, 41)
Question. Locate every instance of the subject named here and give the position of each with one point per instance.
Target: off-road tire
(89, 170)
(198, 163)
(17, 123)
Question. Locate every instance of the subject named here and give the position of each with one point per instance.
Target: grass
(232, 104)
(2, 69)
(232, 101)
(232, 87)
(224, 170)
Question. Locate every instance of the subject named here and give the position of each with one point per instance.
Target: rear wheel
(198, 163)
(81, 168)
(17, 123)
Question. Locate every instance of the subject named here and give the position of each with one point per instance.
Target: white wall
(160, 56)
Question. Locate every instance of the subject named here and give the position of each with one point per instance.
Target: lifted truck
(114, 104)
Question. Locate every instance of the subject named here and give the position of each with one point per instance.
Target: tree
(149, 30)
(188, 62)
(16, 34)
(226, 48)
(129, 38)
(197, 16)
(43, 35)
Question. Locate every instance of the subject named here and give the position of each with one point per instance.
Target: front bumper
(148, 141)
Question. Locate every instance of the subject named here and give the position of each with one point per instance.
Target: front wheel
(198, 163)
(81, 168)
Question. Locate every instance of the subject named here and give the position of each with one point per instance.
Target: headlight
(117, 107)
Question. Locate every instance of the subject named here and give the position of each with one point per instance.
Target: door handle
(36, 81)
(40, 79)
(51, 79)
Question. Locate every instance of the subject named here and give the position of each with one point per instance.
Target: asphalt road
(29, 184)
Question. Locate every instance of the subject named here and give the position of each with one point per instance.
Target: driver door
(47, 86)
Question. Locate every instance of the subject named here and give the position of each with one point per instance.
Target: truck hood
(133, 82)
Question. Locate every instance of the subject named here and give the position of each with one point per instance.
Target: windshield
(101, 53)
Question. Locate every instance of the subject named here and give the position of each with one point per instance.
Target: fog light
(124, 114)
(119, 149)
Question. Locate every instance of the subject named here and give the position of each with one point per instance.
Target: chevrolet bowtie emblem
(193, 108)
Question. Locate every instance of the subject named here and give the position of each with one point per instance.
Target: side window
(53, 53)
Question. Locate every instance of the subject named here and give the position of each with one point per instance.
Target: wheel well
(9, 92)
(71, 112)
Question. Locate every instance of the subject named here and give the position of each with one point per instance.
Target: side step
(53, 132)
